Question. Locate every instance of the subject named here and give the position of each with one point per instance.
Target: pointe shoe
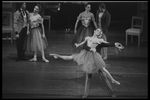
(116, 82)
(113, 96)
(45, 60)
(84, 96)
(33, 59)
(54, 55)
(51, 54)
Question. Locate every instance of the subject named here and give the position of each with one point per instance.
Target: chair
(136, 28)
(8, 30)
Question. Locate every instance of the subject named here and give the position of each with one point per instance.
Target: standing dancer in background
(103, 19)
(21, 28)
(36, 40)
(91, 61)
(86, 29)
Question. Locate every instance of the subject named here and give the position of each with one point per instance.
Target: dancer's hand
(119, 46)
(93, 49)
(76, 45)
(75, 31)
(28, 32)
(43, 35)
(17, 36)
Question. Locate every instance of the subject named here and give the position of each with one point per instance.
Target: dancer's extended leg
(106, 82)
(109, 76)
(87, 85)
(61, 56)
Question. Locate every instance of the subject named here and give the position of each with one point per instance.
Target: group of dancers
(90, 61)
(30, 33)
(88, 39)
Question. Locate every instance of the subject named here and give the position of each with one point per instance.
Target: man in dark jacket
(102, 75)
(21, 29)
(103, 19)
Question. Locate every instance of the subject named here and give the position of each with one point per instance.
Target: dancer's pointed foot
(54, 55)
(104, 58)
(116, 82)
(33, 59)
(84, 96)
(45, 60)
(113, 95)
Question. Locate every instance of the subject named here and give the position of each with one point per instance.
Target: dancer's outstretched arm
(86, 38)
(102, 41)
(116, 44)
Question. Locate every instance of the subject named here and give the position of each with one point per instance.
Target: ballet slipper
(33, 59)
(84, 96)
(45, 60)
(113, 96)
(51, 54)
(54, 55)
(116, 82)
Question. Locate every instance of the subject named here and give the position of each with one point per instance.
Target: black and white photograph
(74, 49)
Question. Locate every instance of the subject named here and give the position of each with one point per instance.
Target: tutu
(88, 61)
(35, 42)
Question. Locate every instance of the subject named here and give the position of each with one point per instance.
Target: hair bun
(39, 7)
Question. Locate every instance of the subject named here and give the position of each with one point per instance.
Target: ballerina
(90, 61)
(36, 40)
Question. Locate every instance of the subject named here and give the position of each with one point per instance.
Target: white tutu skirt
(35, 42)
(88, 61)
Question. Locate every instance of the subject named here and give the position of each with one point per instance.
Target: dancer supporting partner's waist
(91, 61)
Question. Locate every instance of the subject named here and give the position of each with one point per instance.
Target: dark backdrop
(121, 13)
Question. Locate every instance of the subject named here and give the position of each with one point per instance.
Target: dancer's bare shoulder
(86, 38)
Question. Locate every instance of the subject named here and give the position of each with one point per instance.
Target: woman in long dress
(36, 40)
(86, 28)
(90, 61)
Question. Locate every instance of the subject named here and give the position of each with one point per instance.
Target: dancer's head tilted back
(37, 8)
(98, 32)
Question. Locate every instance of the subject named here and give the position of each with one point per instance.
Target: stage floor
(62, 79)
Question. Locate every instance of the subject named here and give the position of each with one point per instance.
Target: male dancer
(100, 72)
(103, 19)
(21, 29)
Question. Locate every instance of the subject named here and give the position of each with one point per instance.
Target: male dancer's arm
(99, 46)
(97, 19)
(108, 20)
(15, 23)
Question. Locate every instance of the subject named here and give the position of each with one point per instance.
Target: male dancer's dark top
(98, 48)
(20, 28)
